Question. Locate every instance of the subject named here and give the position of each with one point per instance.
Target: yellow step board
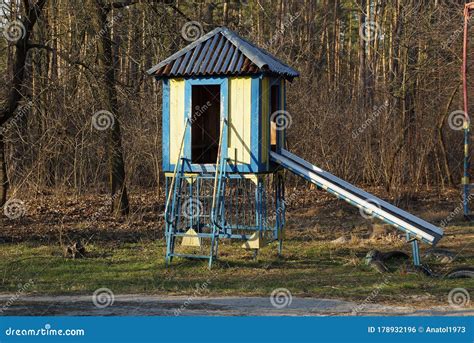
(254, 242)
(191, 239)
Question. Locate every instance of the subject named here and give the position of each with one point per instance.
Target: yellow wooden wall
(240, 105)
(240, 118)
(176, 119)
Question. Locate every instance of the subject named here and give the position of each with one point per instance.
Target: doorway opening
(205, 123)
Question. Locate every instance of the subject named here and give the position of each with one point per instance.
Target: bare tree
(32, 13)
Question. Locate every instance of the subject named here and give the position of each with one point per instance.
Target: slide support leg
(415, 250)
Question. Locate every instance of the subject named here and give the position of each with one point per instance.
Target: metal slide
(378, 208)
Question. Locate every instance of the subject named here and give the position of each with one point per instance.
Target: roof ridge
(184, 50)
(259, 49)
(260, 58)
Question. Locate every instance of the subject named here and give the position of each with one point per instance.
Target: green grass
(307, 269)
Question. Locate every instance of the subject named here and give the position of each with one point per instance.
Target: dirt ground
(146, 305)
(50, 217)
(322, 265)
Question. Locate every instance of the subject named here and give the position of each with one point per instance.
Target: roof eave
(261, 59)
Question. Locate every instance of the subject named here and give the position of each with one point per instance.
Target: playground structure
(466, 184)
(224, 128)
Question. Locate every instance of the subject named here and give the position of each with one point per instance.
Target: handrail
(216, 178)
(176, 167)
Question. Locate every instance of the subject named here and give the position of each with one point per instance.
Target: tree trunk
(362, 62)
(120, 202)
(16, 87)
(3, 172)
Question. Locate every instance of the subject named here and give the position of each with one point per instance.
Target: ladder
(174, 207)
(217, 209)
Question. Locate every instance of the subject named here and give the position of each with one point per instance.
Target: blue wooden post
(415, 250)
(276, 184)
(198, 190)
(167, 226)
(257, 206)
(282, 212)
(192, 202)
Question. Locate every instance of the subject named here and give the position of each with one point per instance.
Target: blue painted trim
(187, 114)
(269, 138)
(255, 150)
(223, 82)
(262, 165)
(283, 133)
(225, 115)
(211, 168)
(211, 80)
(165, 126)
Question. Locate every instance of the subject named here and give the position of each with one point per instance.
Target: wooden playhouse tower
(223, 114)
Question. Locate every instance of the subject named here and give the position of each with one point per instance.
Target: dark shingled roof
(221, 52)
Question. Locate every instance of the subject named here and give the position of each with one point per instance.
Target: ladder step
(190, 256)
(200, 235)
